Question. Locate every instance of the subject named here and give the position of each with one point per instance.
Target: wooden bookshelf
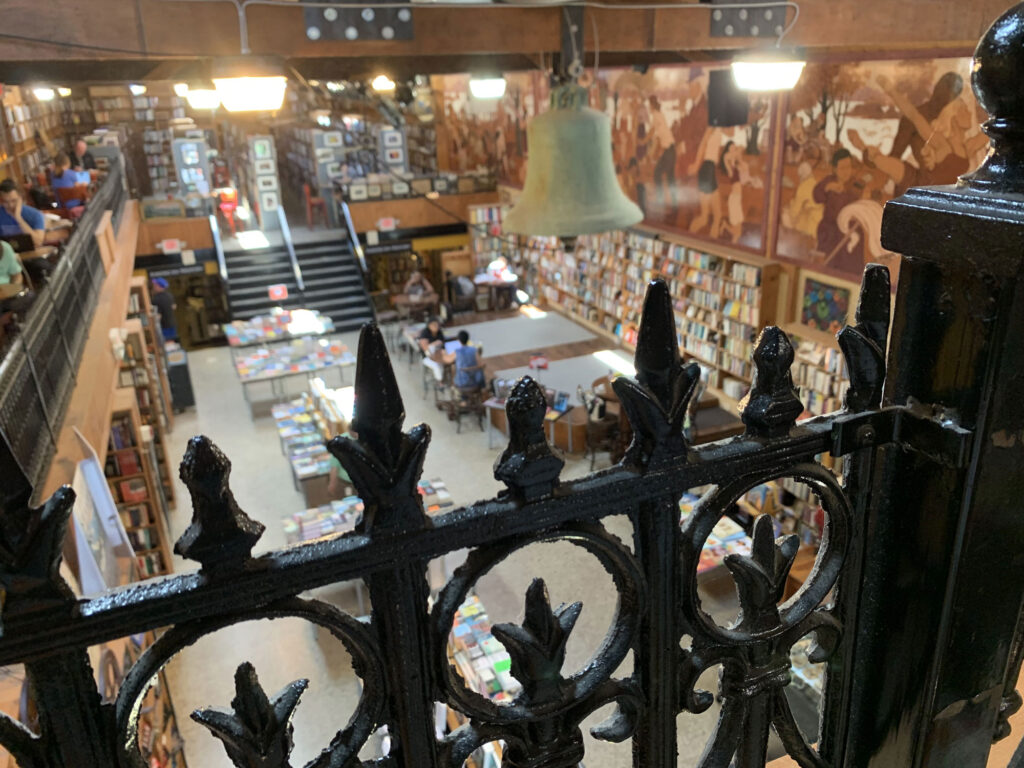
(132, 474)
(141, 372)
(721, 300)
(486, 240)
(819, 370)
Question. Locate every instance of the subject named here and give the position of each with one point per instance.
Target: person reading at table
(469, 372)
(16, 218)
(66, 178)
(418, 288)
(81, 157)
(431, 340)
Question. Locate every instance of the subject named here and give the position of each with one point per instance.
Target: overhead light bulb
(382, 84)
(767, 70)
(181, 90)
(64, 92)
(487, 87)
(250, 83)
(202, 98)
(251, 94)
(335, 87)
(44, 94)
(137, 89)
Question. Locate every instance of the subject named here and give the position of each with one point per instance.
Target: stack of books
(481, 660)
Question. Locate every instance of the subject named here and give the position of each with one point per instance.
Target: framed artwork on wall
(357, 192)
(373, 191)
(390, 139)
(825, 303)
(394, 156)
(262, 149)
(266, 183)
(333, 139)
(269, 202)
(400, 188)
(334, 170)
(324, 153)
(264, 166)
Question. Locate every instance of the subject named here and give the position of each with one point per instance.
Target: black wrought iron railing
(915, 600)
(38, 371)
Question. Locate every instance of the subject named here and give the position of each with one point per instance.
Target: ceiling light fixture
(63, 92)
(44, 94)
(335, 87)
(202, 96)
(137, 89)
(181, 90)
(250, 83)
(487, 87)
(383, 84)
(769, 69)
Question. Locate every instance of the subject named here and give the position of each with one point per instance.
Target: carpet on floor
(521, 333)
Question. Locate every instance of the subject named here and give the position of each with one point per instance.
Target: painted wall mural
(853, 135)
(685, 175)
(861, 133)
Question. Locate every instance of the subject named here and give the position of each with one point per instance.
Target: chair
(227, 206)
(314, 203)
(467, 400)
(66, 195)
(458, 299)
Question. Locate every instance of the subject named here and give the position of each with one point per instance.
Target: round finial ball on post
(999, 66)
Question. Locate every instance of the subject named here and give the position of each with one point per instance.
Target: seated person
(81, 157)
(418, 288)
(13, 296)
(431, 339)
(469, 372)
(16, 218)
(65, 178)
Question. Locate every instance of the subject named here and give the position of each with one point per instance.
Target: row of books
(737, 292)
(121, 433)
(481, 660)
(135, 516)
(143, 538)
(337, 517)
(121, 464)
(151, 564)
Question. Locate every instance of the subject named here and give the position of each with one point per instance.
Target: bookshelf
(721, 300)
(819, 370)
(141, 372)
(131, 471)
(486, 239)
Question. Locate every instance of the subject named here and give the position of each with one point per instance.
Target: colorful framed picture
(333, 139)
(394, 156)
(825, 303)
(391, 139)
(264, 166)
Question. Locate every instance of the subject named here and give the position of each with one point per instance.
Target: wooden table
(407, 305)
(495, 286)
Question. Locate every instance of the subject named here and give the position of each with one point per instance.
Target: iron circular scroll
(355, 637)
(629, 583)
(824, 574)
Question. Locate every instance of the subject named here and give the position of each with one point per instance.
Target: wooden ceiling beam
(167, 30)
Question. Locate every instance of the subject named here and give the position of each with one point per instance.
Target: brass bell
(571, 187)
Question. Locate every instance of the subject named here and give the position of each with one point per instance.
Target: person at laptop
(469, 373)
(81, 157)
(13, 295)
(66, 178)
(16, 218)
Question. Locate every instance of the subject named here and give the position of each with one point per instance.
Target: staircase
(333, 282)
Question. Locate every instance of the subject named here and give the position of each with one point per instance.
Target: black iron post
(943, 574)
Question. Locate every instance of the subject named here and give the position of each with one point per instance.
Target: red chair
(79, 192)
(314, 203)
(227, 206)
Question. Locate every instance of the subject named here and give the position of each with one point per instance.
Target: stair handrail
(286, 233)
(222, 262)
(353, 237)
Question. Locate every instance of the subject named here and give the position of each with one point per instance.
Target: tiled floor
(284, 650)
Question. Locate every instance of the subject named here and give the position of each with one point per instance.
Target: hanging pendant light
(571, 188)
